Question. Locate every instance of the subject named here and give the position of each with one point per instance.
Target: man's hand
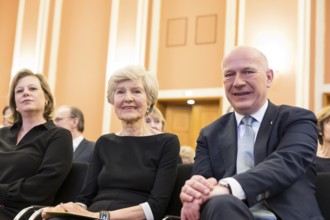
(197, 187)
(196, 191)
(191, 210)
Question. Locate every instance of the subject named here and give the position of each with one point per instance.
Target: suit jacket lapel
(228, 145)
(266, 126)
(81, 147)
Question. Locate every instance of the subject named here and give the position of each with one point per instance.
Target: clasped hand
(196, 191)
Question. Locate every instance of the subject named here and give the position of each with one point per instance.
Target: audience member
(187, 154)
(72, 119)
(272, 180)
(5, 117)
(323, 151)
(35, 154)
(156, 119)
(132, 172)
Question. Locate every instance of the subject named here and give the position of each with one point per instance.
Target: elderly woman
(156, 119)
(35, 155)
(323, 151)
(132, 172)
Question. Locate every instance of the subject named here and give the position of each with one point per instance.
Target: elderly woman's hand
(69, 207)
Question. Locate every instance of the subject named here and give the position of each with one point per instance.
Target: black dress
(129, 170)
(33, 170)
(322, 164)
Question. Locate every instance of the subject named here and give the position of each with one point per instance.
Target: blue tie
(245, 158)
(245, 161)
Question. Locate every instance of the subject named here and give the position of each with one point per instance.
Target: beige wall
(8, 14)
(277, 37)
(184, 41)
(82, 56)
(327, 43)
(191, 43)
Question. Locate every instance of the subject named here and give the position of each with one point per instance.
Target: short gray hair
(134, 72)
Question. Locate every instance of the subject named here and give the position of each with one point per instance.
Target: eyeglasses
(61, 119)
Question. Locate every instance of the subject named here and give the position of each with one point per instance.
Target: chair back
(175, 205)
(323, 193)
(73, 183)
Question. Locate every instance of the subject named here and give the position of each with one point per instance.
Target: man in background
(72, 119)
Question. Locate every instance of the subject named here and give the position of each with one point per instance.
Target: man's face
(246, 78)
(63, 119)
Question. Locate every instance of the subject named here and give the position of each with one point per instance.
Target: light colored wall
(82, 57)
(8, 13)
(191, 43)
(327, 43)
(77, 44)
(276, 36)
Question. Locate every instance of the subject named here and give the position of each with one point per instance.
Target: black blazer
(84, 151)
(284, 172)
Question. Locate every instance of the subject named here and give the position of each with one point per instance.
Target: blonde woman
(156, 119)
(323, 151)
(36, 155)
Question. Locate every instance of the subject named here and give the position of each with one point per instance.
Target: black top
(322, 164)
(33, 170)
(129, 170)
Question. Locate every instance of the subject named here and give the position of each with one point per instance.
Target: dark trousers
(225, 207)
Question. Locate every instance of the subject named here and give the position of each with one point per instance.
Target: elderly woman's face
(130, 100)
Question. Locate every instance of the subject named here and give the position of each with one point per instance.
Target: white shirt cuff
(236, 188)
(147, 211)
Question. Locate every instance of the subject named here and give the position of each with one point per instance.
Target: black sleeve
(42, 187)
(165, 178)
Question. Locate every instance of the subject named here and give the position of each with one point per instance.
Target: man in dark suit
(279, 184)
(72, 119)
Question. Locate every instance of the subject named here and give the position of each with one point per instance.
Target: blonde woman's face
(154, 122)
(29, 96)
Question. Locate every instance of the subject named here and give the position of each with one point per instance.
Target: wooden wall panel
(185, 66)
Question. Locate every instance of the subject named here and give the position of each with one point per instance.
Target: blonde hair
(187, 152)
(132, 72)
(322, 116)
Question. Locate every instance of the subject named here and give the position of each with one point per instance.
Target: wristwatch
(104, 215)
(227, 186)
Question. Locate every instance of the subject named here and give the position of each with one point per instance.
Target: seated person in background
(36, 155)
(187, 154)
(72, 119)
(133, 171)
(5, 115)
(156, 119)
(323, 150)
(258, 161)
